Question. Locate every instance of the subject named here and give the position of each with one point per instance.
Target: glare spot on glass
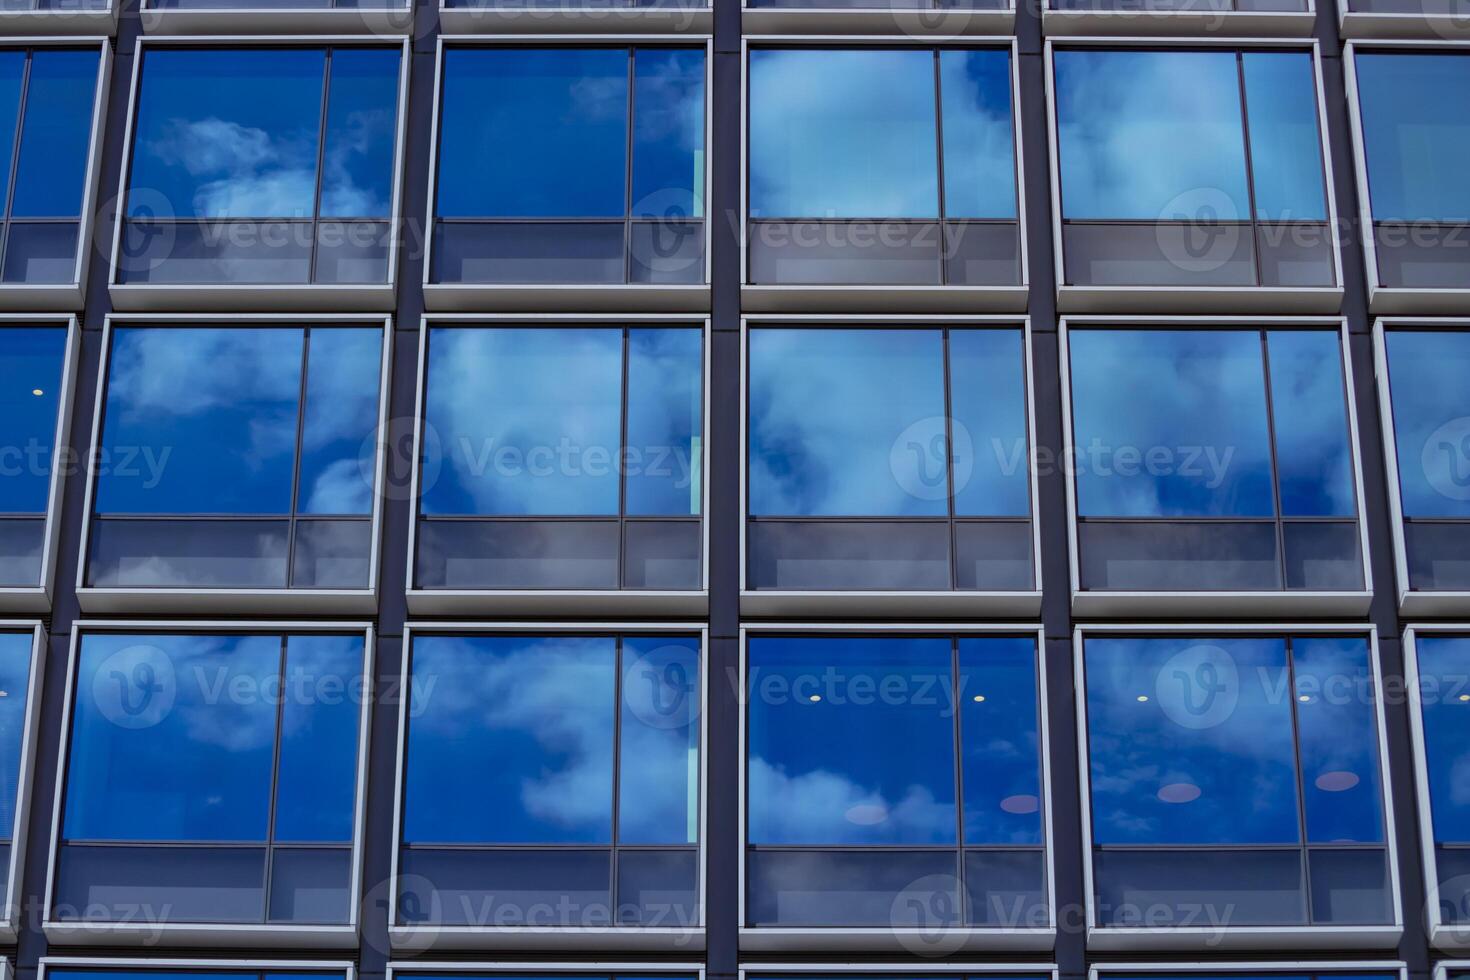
(37, 392)
(1142, 698)
(1304, 698)
(814, 698)
(979, 698)
(1465, 697)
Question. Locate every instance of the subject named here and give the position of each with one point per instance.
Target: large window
(33, 364)
(551, 780)
(237, 457)
(894, 781)
(563, 456)
(1213, 459)
(888, 459)
(17, 660)
(1418, 200)
(1442, 664)
(897, 166)
(211, 778)
(262, 165)
(1429, 409)
(1187, 167)
(1254, 762)
(603, 182)
(47, 101)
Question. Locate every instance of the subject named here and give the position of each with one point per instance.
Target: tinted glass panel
(979, 168)
(15, 674)
(665, 437)
(1286, 152)
(1431, 420)
(362, 118)
(1444, 666)
(668, 133)
(1411, 142)
(1337, 735)
(987, 385)
(1314, 461)
(51, 171)
(30, 392)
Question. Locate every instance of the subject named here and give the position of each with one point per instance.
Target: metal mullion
(939, 161)
(617, 762)
(270, 833)
(1301, 788)
(20, 120)
(949, 450)
(962, 895)
(628, 173)
(1250, 175)
(622, 465)
(1275, 463)
(296, 461)
(321, 152)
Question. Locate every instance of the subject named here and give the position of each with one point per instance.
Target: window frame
(1164, 23)
(25, 779)
(419, 938)
(37, 598)
(841, 602)
(1354, 25)
(158, 20)
(1411, 602)
(867, 298)
(1393, 300)
(627, 297)
(499, 16)
(1312, 968)
(935, 22)
(16, 23)
(1443, 967)
(407, 969)
(551, 602)
(265, 601)
(893, 939)
(1224, 602)
(261, 297)
(1210, 937)
(69, 296)
(926, 971)
(1242, 300)
(94, 932)
(323, 969)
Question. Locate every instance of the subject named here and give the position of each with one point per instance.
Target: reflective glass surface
(30, 372)
(1444, 697)
(1431, 420)
(15, 675)
(1411, 142)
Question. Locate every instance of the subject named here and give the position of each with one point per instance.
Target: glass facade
(32, 362)
(1442, 661)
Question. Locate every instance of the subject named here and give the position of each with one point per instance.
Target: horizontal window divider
(232, 221)
(533, 518)
(595, 848)
(221, 845)
(43, 220)
(1205, 848)
(905, 519)
(1285, 519)
(898, 848)
(104, 516)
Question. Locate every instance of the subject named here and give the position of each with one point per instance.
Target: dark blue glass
(15, 676)
(665, 438)
(1314, 457)
(50, 175)
(1150, 135)
(200, 420)
(1286, 148)
(987, 392)
(844, 422)
(1444, 678)
(1001, 761)
(322, 691)
(526, 421)
(1412, 143)
(658, 741)
(160, 750)
(860, 142)
(668, 132)
(344, 372)
(510, 740)
(1190, 741)
(362, 120)
(851, 740)
(12, 80)
(1337, 736)
(979, 139)
(1170, 424)
(163, 975)
(1431, 420)
(31, 367)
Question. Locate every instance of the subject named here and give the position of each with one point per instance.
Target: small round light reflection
(1142, 698)
(814, 698)
(979, 698)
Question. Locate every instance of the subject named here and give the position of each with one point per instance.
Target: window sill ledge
(838, 20)
(94, 933)
(492, 19)
(478, 298)
(38, 297)
(606, 938)
(1264, 300)
(246, 601)
(1171, 23)
(883, 299)
(919, 941)
(1282, 603)
(69, 22)
(269, 20)
(1397, 301)
(779, 602)
(1124, 939)
(1396, 26)
(549, 602)
(252, 298)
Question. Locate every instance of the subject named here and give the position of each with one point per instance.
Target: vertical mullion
(20, 121)
(1250, 166)
(270, 836)
(1301, 788)
(628, 171)
(321, 152)
(296, 460)
(621, 460)
(1275, 463)
(939, 164)
(949, 460)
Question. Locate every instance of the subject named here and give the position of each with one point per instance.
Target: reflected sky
(1337, 733)
(1444, 674)
(1415, 146)
(237, 133)
(30, 362)
(1314, 460)
(979, 144)
(665, 421)
(317, 785)
(1431, 419)
(15, 672)
(50, 173)
(658, 782)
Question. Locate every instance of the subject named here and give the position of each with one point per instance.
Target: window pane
(344, 368)
(1190, 741)
(859, 143)
(1314, 460)
(30, 392)
(509, 740)
(1002, 757)
(1444, 677)
(15, 674)
(1286, 152)
(527, 421)
(362, 119)
(51, 173)
(1150, 135)
(658, 776)
(1431, 405)
(847, 423)
(12, 80)
(979, 153)
(200, 421)
(987, 389)
(227, 133)
(665, 421)
(159, 751)
(668, 133)
(568, 112)
(851, 741)
(1338, 739)
(1170, 424)
(317, 785)
(1413, 145)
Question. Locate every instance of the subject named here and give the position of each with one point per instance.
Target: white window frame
(909, 971)
(262, 297)
(1061, 22)
(921, 941)
(194, 599)
(1282, 602)
(1393, 300)
(327, 967)
(75, 22)
(553, 602)
(621, 939)
(1314, 967)
(1443, 967)
(158, 19)
(823, 19)
(97, 932)
(1261, 300)
(1386, 25)
(71, 296)
(1210, 937)
(406, 969)
(509, 16)
(14, 900)
(861, 298)
(440, 297)
(840, 602)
